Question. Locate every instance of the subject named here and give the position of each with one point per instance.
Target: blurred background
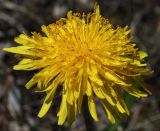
(19, 107)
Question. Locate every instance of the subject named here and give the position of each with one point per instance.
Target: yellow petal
(98, 91)
(45, 30)
(69, 91)
(115, 78)
(120, 108)
(108, 113)
(71, 113)
(123, 104)
(142, 54)
(92, 107)
(24, 50)
(97, 10)
(46, 105)
(25, 64)
(78, 83)
(62, 114)
(25, 40)
(93, 74)
(33, 81)
(109, 96)
(138, 63)
(69, 15)
(44, 109)
(89, 89)
(80, 99)
(70, 97)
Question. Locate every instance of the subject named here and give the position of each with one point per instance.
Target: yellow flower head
(83, 55)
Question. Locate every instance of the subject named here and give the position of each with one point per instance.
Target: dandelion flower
(84, 56)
